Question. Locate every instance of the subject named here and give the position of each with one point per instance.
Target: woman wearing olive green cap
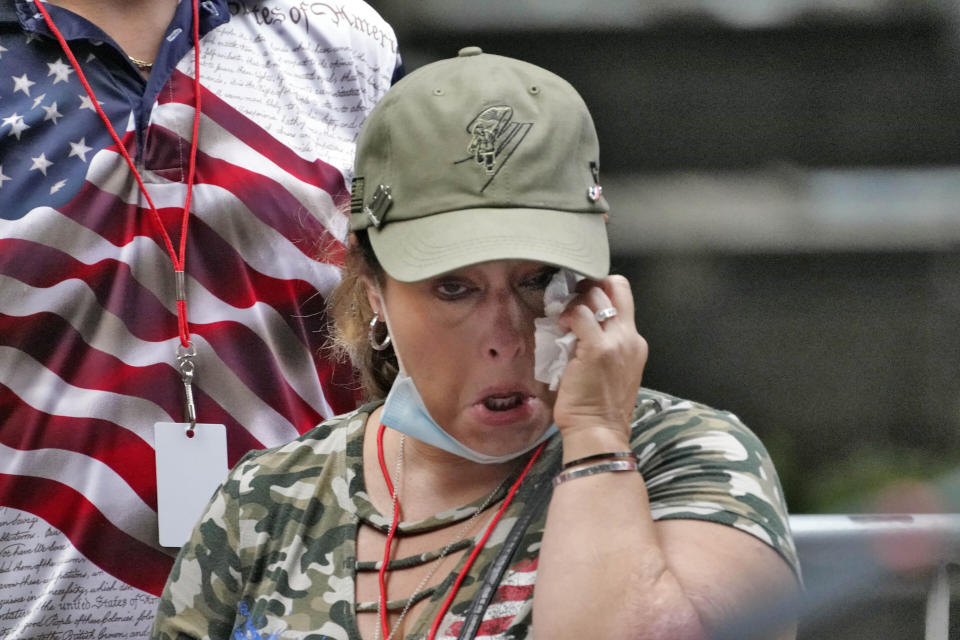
(517, 480)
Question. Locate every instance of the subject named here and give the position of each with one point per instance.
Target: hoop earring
(372, 335)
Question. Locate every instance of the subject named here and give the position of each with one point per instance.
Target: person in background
(517, 481)
(174, 226)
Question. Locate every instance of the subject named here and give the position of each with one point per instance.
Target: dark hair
(350, 314)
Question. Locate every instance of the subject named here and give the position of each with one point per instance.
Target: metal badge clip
(595, 192)
(382, 200)
(187, 369)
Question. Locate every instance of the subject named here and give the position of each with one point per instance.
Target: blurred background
(785, 184)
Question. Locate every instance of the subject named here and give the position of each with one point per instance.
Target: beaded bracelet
(599, 456)
(600, 467)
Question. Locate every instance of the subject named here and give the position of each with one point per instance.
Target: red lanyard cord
(483, 541)
(382, 574)
(473, 554)
(177, 259)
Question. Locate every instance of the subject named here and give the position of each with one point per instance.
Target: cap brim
(412, 250)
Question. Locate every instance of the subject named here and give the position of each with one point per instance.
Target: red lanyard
(185, 350)
(177, 258)
(470, 560)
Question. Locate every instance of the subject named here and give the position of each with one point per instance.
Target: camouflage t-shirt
(274, 556)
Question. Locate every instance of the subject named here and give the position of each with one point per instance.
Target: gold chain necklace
(461, 533)
(143, 65)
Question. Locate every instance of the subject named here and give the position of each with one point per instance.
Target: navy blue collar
(176, 45)
(213, 13)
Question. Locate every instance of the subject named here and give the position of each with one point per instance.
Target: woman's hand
(601, 551)
(599, 387)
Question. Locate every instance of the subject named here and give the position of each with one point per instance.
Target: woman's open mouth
(504, 406)
(503, 401)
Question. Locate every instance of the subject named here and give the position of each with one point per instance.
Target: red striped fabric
(88, 326)
(70, 512)
(240, 316)
(511, 599)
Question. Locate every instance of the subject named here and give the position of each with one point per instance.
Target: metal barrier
(850, 558)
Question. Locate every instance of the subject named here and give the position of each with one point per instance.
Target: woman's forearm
(608, 570)
(602, 572)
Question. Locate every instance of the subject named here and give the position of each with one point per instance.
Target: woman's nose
(511, 327)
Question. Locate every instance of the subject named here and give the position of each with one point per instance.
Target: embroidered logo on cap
(494, 138)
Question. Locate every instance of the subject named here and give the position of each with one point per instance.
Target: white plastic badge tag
(189, 469)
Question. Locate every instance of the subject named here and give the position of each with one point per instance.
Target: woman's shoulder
(671, 432)
(656, 407)
(704, 463)
(660, 418)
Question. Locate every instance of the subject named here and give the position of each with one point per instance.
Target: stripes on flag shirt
(88, 321)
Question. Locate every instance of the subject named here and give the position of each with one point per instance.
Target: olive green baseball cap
(475, 158)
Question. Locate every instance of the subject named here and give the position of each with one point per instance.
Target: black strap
(541, 496)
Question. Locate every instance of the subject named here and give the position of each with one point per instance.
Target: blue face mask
(405, 411)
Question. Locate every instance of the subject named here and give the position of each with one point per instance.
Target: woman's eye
(451, 290)
(540, 280)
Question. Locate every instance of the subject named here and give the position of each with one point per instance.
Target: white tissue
(554, 349)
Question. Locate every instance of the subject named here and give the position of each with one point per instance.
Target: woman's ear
(371, 287)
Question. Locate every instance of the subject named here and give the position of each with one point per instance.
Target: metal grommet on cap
(469, 51)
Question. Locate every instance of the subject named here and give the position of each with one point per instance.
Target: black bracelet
(599, 456)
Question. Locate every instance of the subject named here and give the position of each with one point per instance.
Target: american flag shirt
(88, 324)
